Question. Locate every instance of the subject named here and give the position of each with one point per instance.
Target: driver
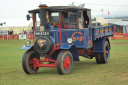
(85, 24)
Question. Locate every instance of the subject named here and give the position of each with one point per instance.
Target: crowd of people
(25, 32)
(10, 32)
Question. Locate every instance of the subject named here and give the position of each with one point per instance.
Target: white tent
(121, 24)
(17, 22)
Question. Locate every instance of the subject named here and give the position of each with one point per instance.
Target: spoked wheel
(28, 62)
(64, 62)
(105, 55)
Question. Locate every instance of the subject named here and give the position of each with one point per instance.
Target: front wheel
(28, 62)
(64, 62)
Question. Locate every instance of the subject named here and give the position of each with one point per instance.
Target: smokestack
(42, 6)
(43, 15)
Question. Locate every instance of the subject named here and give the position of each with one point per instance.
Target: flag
(108, 13)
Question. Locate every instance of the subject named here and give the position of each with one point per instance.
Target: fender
(32, 48)
(98, 45)
(26, 47)
(72, 49)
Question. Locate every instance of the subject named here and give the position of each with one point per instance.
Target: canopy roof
(121, 23)
(60, 8)
(17, 22)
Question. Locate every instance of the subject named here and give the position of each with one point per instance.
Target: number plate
(42, 33)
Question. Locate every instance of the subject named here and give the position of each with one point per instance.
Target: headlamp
(69, 40)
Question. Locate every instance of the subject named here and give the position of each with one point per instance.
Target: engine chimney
(42, 6)
(43, 15)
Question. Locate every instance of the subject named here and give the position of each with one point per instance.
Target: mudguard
(26, 47)
(98, 45)
(72, 49)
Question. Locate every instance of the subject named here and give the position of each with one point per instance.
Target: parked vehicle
(65, 33)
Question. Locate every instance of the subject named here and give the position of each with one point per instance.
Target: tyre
(97, 57)
(105, 55)
(64, 62)
(27, 62)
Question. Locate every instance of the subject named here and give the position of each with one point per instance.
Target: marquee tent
(16, 24)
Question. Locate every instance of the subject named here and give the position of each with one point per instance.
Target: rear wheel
(105, 55)
(64, 62)
(98, 58)
(28, 62)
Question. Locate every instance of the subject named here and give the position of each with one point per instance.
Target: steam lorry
(64, 34)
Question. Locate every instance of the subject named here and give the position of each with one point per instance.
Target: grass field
(84, 72)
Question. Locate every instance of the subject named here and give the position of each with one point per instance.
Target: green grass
(85, 71)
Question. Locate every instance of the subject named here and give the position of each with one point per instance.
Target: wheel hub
(32, 63)
(67, 63)
(106, 51)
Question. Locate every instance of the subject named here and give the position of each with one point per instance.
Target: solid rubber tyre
(97, 57)
(104, 57)
(64, 62)
(26, 62)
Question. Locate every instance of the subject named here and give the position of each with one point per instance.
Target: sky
(19, 8)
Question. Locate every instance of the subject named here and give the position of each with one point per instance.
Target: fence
(120, 36)
(117, 36)
(16, 36)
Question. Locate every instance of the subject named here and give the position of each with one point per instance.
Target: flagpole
(108, 13)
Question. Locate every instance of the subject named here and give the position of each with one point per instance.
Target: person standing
(8, 32)
(27, 31)
(11, 32)
(23, 31)
(20, 32)
(9, 36)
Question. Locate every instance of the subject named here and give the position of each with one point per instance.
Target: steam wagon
(64, 34)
